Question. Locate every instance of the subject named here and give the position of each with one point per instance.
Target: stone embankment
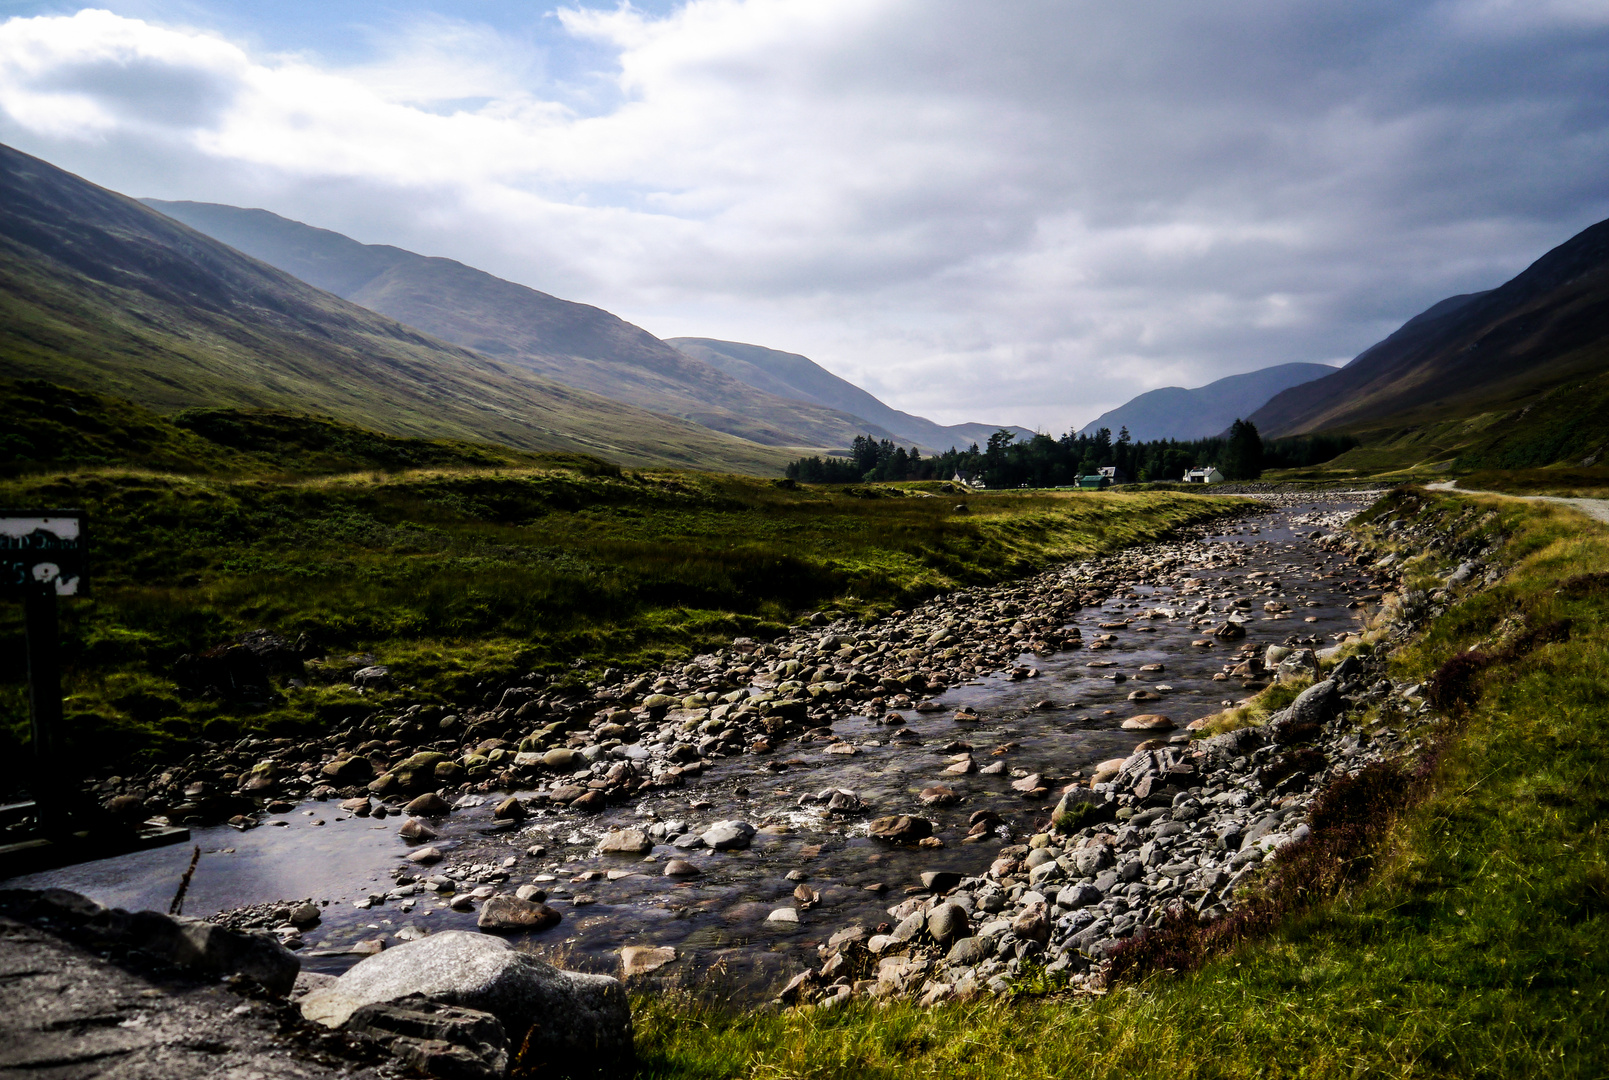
(91, 990)
(1173, 825)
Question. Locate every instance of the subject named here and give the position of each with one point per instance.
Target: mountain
(575, 344)
(790, 375)
(1472, 355)
(102, 293)
(1173, 412)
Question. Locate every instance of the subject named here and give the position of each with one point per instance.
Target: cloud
(1024, 212)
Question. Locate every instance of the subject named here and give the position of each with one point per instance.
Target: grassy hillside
(1469, 356)
(104, 294)
(575, 344)
(453, 576)
(1562, 427)
(1478, 949)
(45, 427)
(801, 378)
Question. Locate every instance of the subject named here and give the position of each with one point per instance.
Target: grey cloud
(1029, 210)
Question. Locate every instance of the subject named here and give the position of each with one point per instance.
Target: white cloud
(1023, 212)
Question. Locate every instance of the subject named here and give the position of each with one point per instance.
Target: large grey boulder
(438, 1040)
(565, 1020)
(193, 944)
(728, 835)
(214, 950)
(1220, 750)
(1316, 705)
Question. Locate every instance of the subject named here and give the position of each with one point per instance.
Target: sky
(1005, 212)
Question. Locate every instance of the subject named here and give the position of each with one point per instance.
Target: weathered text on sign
(42, 550)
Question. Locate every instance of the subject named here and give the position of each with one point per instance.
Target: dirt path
(1597, 509)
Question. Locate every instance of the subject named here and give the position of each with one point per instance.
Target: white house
(1203, 476)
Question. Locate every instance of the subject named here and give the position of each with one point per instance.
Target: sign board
(43, 550)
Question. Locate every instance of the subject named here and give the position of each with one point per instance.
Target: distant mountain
(574, 344)
(1468, 355)
(790, 375)
(1173, 412)
(102, 293)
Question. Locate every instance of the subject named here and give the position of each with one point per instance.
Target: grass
(1590, 482)
(1477, 948)
(1563, 426)
(101, 293)
(461, 579)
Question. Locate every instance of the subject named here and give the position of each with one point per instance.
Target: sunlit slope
(100, 292)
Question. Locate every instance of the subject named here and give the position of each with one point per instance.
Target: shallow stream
(1059, 723)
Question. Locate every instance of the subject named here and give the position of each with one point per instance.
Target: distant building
(1094, 481)
(1113, 474)
(1208, 475)
(964, 482)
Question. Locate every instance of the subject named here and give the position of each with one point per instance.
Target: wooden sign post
(43, 555)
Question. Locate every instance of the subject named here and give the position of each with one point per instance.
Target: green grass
(1591, 482)
(1561, 426)
(457, 578)
(1477, 949)
(103, 294)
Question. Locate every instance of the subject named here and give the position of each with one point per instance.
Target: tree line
(1044, 461)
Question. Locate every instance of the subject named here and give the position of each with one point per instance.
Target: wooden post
(44, 703)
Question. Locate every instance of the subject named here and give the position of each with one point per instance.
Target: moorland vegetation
(458, 565)
(1464, 937)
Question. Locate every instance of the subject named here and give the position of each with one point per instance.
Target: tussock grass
(459, 578)
(1479, 946)
(1575, 482)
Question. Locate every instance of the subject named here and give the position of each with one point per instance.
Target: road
(1597, 509)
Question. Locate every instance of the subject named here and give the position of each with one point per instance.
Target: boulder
(213, 950)
(625, 842)
(970, 951)
(415, 830)
(681, 868)
(561, 760)
(435, 1039)
(1148, 722)
(511, 914)
(428, 805)
(1034, 923)
(1316, 705)
(640, 960)
(947, 923)
(901, 829)
(564, 1020)
(728, 835)
(373, 677)
(304, 915)
(348, 771)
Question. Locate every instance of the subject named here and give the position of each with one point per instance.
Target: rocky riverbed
(843, 791)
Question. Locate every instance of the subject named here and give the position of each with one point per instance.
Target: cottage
(1094, 481)
(1113, 474)
(1208, 475)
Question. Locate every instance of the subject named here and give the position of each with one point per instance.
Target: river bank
(939, 715)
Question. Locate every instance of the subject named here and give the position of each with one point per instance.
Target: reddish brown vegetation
(1348, 819)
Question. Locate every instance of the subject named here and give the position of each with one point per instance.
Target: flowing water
(1059, 723)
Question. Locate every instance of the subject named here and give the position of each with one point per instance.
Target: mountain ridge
(1468, 354)
(795, 375)
(102, 292)
(1176, 412)
(572, 343)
